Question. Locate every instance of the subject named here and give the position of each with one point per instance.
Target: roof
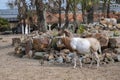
(9, 14)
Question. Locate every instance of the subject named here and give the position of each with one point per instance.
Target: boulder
(28, 48)
(118, 57)
(86, 60)
(40, 44)
(117, 50)
(66, 51)
(114, 42)
(59, 59)
(19, 51)
(39, 55)
(51, 56)
(16, 42)
(109, 55)
(103, 38)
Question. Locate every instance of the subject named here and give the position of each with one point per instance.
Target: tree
(108, 8)
(118, 1)
(88, 9)
(74, 13)
(40, 14)
(104, 7)
(11, 4)
(59, 14)
(73, 7)
(4, 25)
(66, 14)
(24, 9)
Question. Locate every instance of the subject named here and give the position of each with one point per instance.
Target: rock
(52, 61)
(103, 38)
(46, 56)
(39, 55)
(114, 42)
(117, 50)
(19, 51)
(40, 44)
(16, 42)
(86, 60)
(109, 55)
(116, 33)
(51, 56)
(59, 59)
(111, 34)
(66, 51)
(118, 57)
(108, 50)
(28, 48)
(69, 57)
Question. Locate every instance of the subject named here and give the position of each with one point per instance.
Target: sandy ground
(14, 68)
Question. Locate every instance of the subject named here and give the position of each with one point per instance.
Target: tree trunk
(22, 9)
(108, 9)
(59, 15)
(66, 15)
(74, 17)
(40, 13)
(90, 15)
(118, 1)
(24, 12)
(104, 8)
(84, 13)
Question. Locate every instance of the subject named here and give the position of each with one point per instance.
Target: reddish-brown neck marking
(67, 41)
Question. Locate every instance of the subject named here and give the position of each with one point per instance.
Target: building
(10, 15)
(114, 6)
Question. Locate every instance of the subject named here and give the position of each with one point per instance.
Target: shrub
(4, 25)
(81, 29)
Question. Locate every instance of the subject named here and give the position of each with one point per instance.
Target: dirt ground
(14, 68)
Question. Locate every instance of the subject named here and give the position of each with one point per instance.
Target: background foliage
(4, 25)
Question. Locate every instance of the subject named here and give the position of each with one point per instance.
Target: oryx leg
(80, 60)
(92, 55)
(75, 60)
(98, 60)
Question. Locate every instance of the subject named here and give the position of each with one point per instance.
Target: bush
(81, 29)
(4, 25)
